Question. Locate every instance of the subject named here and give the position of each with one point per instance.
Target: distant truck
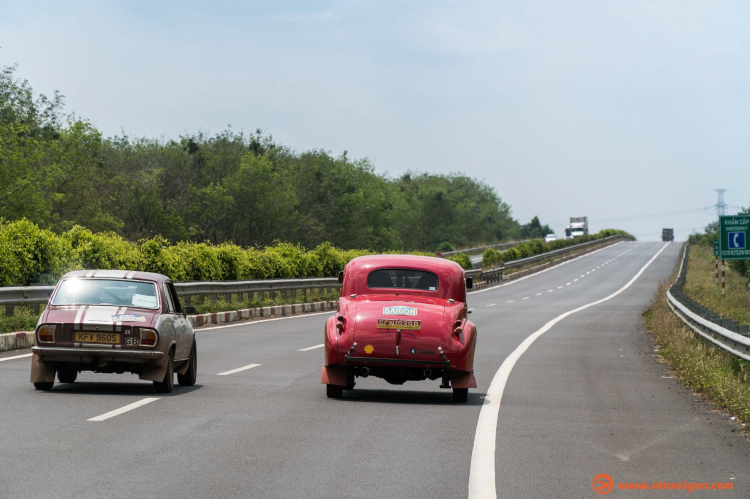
(667, 235)
(579, 226)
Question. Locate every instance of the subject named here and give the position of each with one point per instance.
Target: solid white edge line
(16, 357)
(310, 348)
(245, 368)
(545, 270)
(250, 323)
(121, 410)
(482, 483)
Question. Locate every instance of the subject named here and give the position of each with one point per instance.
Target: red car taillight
(149, 337)
(46, 333)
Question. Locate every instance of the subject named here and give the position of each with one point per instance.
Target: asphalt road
(587, 397)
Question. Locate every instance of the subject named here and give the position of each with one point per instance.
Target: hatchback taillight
(46, 333)
(149, 337)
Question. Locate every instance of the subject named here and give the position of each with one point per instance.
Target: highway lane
(269, 431)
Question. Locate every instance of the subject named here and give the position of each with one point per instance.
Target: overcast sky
(619, 110)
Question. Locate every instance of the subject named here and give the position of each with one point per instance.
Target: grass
(223, 304)
(701, 286)
(23, 319)
(706, 369)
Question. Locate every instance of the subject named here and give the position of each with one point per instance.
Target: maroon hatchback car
(114, 321)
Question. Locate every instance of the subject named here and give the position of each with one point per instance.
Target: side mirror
(341, 276)
(189, 310)
(469, 282)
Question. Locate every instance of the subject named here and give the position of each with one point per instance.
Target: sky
(629, 112)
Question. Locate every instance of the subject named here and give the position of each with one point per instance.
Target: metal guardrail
(727, 334)
(34, 296)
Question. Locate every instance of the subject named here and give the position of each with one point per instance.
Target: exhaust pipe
(427, 373)
(364, 371)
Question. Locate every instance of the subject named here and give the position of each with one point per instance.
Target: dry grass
(701, 286)
(707, 370)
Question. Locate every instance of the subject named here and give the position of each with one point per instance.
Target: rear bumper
(373, 361)
(88, 355)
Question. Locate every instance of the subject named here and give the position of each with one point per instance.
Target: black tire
(461, 395)
(191, 375)
(67, 375)
(334, 391)
(167, 385)
(44, 385)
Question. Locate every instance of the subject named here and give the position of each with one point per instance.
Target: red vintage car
(401, 318)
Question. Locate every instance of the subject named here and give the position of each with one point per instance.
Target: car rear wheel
(334, 391)
(461, 395)
(67, 375)
(44, 385)
(167, 385)
(188, 379)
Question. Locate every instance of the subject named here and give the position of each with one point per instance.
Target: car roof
(417, 262)
(116, 274)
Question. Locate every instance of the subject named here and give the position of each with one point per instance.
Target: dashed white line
(539, 294)
(575, 280)
(310, 348)
(559, 287)
(568, 284)
(550, 290)
(238, 370)
(526, 298)
(122, 410)
(16, 357)
(491, 305)
(511, 301)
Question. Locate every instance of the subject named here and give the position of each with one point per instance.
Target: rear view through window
(403, 279)
(119, 293)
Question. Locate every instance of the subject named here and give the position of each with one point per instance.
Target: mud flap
(462, 379)
(41, 372)
(333, 375)
(183, 368)
(154, 373)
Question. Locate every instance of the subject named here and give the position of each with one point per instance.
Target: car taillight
(46, 333)
(149, 337)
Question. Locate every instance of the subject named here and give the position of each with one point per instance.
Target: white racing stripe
(16, 357)
(482, 472)
(122, 410)
(238, 370)
(310, 348)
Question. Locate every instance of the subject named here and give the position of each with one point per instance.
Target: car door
(182, 350)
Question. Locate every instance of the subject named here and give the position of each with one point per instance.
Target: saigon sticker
(369, 349)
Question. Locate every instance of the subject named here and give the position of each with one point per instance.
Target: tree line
(59, 171)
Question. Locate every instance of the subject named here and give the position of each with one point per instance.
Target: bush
(462, 259)
(445, 247)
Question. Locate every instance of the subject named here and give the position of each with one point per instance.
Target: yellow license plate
(89, 337)
(399, 324)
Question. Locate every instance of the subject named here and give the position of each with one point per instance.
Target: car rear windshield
(113, 292)
(403, 279)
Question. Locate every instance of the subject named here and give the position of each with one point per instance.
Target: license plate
(399, 324)
(88, 337)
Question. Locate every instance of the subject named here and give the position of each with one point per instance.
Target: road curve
(585, 398)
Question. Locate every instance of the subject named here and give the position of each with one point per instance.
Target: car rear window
(403, 279)
(112, 292)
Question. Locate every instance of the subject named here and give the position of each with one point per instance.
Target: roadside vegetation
(492, 258)
(23, 319)
(226, 303)
(705, 368)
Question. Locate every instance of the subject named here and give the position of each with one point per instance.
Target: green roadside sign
(716, 248)
(733, 237)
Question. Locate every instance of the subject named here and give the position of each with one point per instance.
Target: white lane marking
(16, 357)
(491, 304)
(568, 284)
(539, 294)
(482, 472)
(310, 348)
(575, 280)
(122, 410)
(226, 373)
(549, 291)
(584, 275)
(559, 287)
(511, 301)
(250, 323)
(526, 298)
(545, 270)
(593, 270)
(587, 273)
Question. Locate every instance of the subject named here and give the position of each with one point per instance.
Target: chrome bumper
(68, 354)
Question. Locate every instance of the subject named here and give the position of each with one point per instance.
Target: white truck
(579, 226)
